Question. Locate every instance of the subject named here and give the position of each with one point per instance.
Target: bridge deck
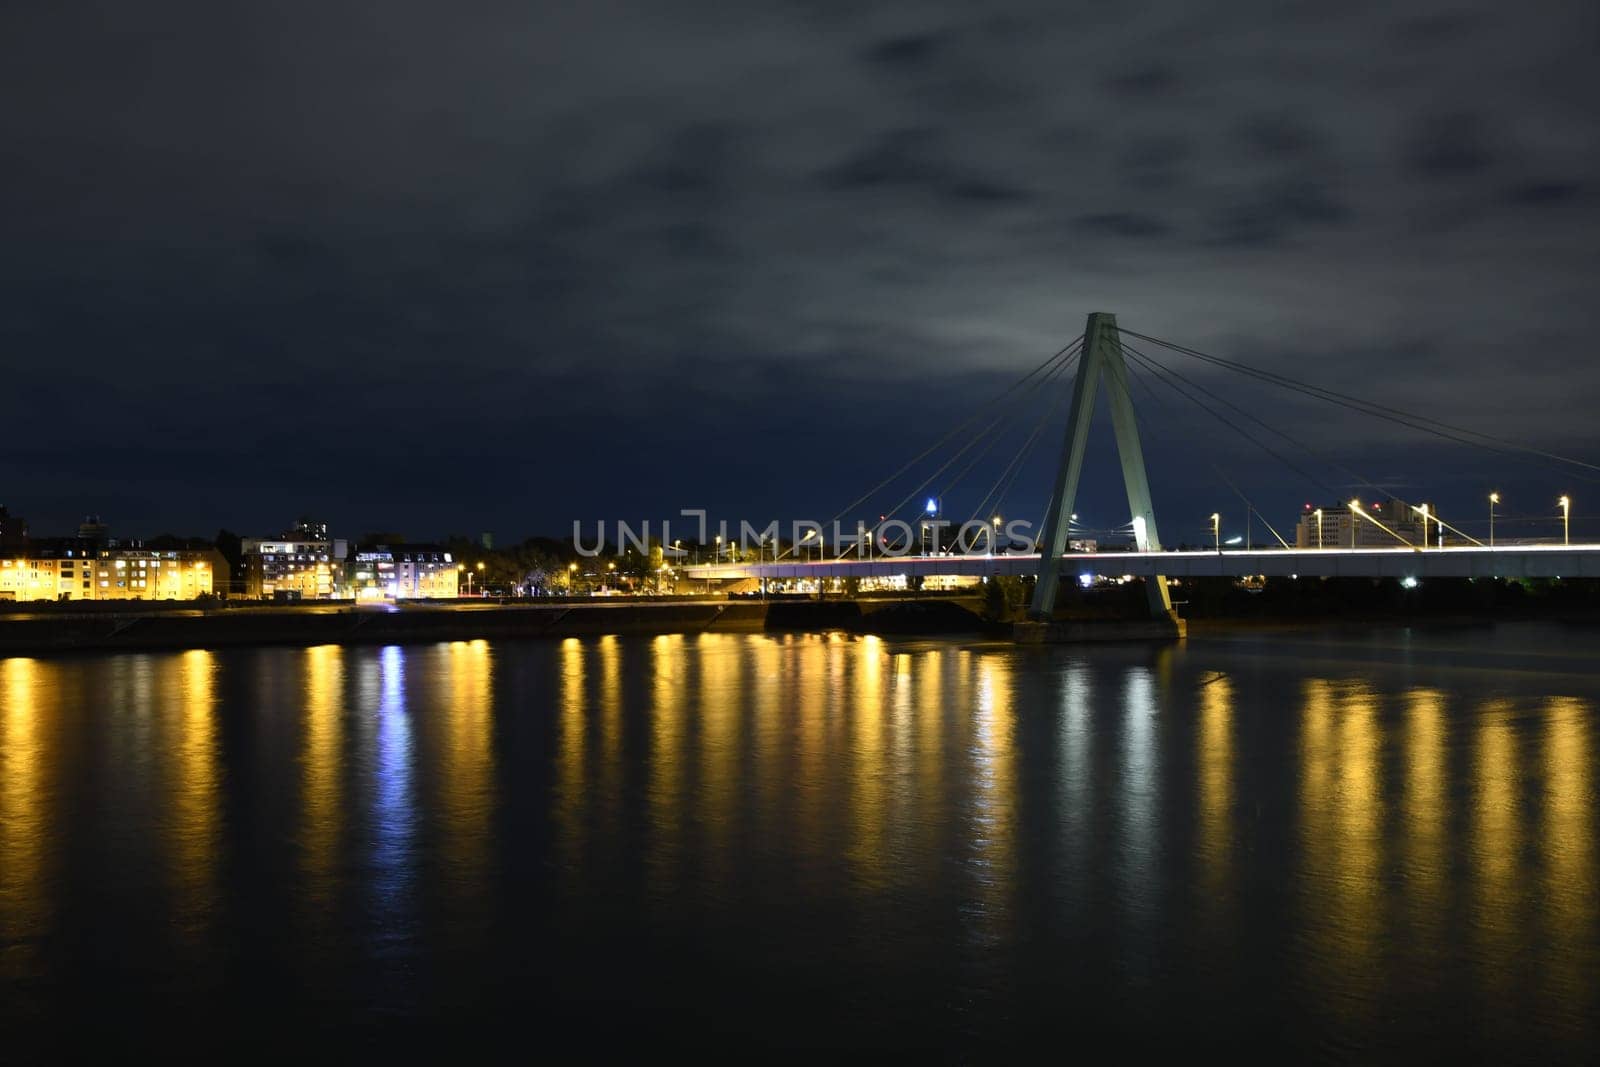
(1511, 561)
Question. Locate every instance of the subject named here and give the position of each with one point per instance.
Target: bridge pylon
(1101, 359)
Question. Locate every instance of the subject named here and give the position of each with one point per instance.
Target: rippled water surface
(1359, 845)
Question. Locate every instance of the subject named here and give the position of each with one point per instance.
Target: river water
(1363, 844)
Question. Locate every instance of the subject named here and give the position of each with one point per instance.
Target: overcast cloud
(500, 265)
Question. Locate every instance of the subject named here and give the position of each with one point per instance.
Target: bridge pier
(1084, 631)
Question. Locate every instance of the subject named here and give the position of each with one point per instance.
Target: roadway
(1509, 561)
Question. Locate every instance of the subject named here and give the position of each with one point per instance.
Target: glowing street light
(1494, 498)
(1216, 530)
(1355, 517)
(1318, 514)
(1566, 515)
(1423, 510)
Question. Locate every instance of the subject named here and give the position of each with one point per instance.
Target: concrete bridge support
(1102, 358)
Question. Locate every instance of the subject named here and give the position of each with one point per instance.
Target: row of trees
(542, 566)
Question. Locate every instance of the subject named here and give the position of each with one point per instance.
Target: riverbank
(187, 626)
(61, 628)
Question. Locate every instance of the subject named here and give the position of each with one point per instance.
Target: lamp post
(1566, 515)
(1318, 514)
(718, 557)
(1423, 509)
(572, 578)
(1355, 517)
(1494, 498)
(994, 542)
(461, 569)
(1216, 530)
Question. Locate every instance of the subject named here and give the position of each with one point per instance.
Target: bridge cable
(1248, 503)
(1166, 375)
(1067, 352)
(1162, 369)
(1044, 383)
(1008, 476)
(1448, 431)
(916, 492)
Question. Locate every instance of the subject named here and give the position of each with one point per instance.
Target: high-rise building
(13, 530)
(1342, 528)
(92, 529)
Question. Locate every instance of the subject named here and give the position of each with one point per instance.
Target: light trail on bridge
(1508, 561)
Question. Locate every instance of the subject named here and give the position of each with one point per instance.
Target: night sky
(496, 266)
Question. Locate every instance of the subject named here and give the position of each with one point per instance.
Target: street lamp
(1494, 498)
(719, 548)
(461, 569)
(1424, 510)
(1566, 515)
(1318, 514)
(1216, 530)
(1355, 518)
(572, 578)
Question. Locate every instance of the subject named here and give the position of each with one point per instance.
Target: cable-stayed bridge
(1106, 356)
(1505, 561)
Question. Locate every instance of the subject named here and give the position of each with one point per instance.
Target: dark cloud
(1123, 224)
(556, 259)
(1155, 162)
(1275, 211)
(1450, 146)
(1543, 193)
(907, 157)
(913, 51)
(1144, 81)
(1279, 137)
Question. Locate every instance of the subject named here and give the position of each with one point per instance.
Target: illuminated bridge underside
(1523, 561)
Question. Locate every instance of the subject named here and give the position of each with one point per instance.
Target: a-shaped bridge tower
(1101, 361)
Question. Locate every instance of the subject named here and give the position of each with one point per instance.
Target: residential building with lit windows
(294, 568)
(1341, 528)
(69, 569)
(403, 572)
